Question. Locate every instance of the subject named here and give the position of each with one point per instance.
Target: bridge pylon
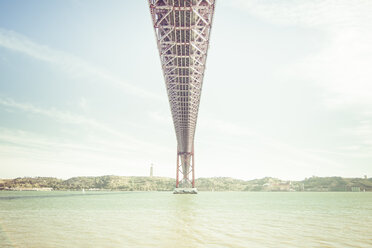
(185, 176)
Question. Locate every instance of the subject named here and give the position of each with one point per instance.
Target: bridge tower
(182, 30)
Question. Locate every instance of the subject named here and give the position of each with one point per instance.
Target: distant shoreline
(171, 191)
(136, 183)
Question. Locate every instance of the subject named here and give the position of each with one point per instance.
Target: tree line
(125, 183)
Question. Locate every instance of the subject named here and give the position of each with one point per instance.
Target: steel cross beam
(182, 30)
(185, 181)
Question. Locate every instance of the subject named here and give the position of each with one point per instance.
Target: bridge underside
(182, 29)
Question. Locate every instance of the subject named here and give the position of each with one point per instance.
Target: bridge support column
(185, 170)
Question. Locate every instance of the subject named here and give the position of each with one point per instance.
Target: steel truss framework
(182, 29)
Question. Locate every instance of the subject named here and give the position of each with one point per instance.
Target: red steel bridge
(182, 30)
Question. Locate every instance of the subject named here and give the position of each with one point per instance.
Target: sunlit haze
(287, 91)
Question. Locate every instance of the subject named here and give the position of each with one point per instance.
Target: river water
(161, 219)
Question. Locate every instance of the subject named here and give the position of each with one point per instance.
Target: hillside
(203, 184)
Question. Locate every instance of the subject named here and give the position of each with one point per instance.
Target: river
(208, 219)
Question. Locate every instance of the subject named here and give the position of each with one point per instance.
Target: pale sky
(287, 91)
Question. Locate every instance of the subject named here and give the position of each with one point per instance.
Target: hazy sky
(287, 91)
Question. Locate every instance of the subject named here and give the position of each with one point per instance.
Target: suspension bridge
(182, 30)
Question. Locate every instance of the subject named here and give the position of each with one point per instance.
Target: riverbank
(124, 183)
